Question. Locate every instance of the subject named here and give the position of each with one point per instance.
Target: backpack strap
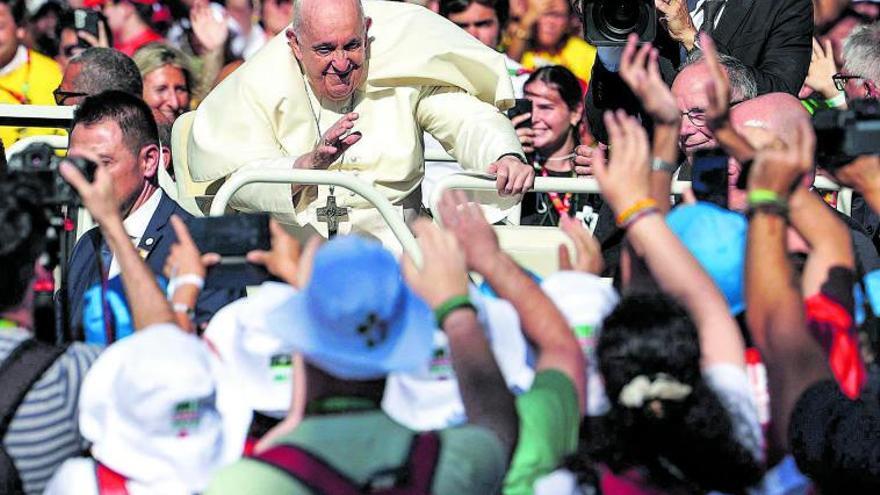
(18, 373)
(308, 469)
(109, 481)
(421, 464)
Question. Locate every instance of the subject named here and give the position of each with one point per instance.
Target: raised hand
(525, 134)
(588, 258)
(717, 88)
(333, 144)
(184, 257)
(626, 179)
(97, 196)
(778, 170)
(211, 32)
(583, 158)
(283, 259)
(677, 21)
(640, 70)
(822, 69)
(443, 274)
(466, 221)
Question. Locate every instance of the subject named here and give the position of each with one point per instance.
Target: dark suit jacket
(771, 37)
(156, 242)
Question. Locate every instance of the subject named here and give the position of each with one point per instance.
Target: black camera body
(40, 162)
(843, 135)
(610, 22)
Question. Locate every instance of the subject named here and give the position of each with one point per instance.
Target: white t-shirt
(77, 477)
(731, 384)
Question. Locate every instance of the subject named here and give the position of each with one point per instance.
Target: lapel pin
(149, 241)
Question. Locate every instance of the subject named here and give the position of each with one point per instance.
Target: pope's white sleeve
(474, 132)
(275, 199)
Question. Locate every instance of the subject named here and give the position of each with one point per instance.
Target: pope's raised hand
(333, 144)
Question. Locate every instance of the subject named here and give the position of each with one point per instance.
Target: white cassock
(425, 75)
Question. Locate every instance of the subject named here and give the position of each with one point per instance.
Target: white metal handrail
(321, 177)
(36, 116)
(56, 142)
(580, 185)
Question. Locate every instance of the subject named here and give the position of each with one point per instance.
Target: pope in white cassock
(361, 85)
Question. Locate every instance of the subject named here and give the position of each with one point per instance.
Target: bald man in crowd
(772, 120)
(352, 87)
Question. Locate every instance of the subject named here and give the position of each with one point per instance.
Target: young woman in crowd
(550, 141)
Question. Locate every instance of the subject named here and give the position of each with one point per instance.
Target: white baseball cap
(429, 399)
(585, 300)
(251, 359)
(148, 406)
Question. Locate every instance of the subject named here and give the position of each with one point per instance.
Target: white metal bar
(578, 185)
(321, 177)
(57, 142)
(36, 116)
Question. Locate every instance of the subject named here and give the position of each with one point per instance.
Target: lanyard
(563, 205)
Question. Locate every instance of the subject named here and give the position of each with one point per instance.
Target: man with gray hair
(363, 84)
(861, 54)
(97, 70)
(689, 89)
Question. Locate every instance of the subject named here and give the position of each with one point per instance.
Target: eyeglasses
(62, 96)
(697, 116)
(840, 80)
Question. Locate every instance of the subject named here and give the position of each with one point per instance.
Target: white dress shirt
(136, 224)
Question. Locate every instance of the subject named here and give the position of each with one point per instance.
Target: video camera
(40, 162)
(610, 22)
(843, 135)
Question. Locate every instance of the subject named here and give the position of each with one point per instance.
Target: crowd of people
(687, 343)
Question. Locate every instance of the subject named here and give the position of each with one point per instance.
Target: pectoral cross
(332, 214)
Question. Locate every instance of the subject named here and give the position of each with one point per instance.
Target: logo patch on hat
(188, 414)
(280, 367)
(373, 330)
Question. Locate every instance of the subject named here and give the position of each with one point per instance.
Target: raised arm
(640, 70)
(148, 304)
(542, 322)
(625, 184)
(441, 279)
(775, 314)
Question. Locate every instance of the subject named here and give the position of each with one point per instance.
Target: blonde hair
(157, 55)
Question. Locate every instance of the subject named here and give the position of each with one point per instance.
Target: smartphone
(86, 20)
(520, 107)
(232, 237)
(709, 176)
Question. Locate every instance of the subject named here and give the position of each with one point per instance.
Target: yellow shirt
(577, 56)
(30, 83)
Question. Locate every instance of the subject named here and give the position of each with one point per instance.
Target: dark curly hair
(687, 443)
(23, 226)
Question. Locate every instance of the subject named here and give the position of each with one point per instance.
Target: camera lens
(616, 19)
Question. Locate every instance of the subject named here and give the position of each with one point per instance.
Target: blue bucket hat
(357, 319)
(717, 239)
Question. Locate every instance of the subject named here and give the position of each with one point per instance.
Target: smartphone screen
(710, 176)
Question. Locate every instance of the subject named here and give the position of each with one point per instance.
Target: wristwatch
(659, 165)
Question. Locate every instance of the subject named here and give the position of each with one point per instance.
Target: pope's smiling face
(330, 41)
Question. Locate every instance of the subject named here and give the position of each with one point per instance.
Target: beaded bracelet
(626, 215)
(442, 311)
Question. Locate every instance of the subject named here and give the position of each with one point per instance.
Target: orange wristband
(634, 209)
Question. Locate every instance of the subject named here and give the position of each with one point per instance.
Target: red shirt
(129, 47)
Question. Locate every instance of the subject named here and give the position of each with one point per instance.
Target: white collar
(137, 221)
(20, 58)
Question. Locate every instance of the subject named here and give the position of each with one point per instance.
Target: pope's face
(332, 49)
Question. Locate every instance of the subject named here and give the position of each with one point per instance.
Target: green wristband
(442, 311)
(760, 196)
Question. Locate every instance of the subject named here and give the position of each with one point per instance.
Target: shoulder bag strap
(109, 481)
(309, 469)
